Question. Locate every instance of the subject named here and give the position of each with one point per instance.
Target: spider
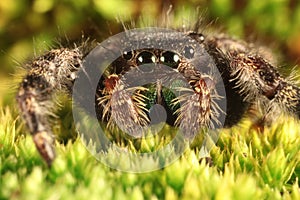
(247, 75)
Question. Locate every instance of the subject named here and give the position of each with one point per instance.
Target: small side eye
(128, 54)
(145, 57)
(170, 58)
(188, 52)
(199, 37)
(261, 73)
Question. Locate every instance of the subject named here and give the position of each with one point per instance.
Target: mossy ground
(248, 164)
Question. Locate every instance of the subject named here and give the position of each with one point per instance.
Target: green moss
(248, 164)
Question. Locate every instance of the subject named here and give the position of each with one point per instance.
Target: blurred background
(29, 27)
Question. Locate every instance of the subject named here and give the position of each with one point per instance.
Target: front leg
(257, 76)
(51, 72)
(251, 74)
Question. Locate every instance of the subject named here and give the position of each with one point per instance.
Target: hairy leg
(47, 74)
(253, 78)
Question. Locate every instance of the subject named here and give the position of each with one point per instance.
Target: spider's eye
(145, 57)
(188, 52)
(201, 37)
(170, 58)
(197, 36)
(128, 54)
(261, 73)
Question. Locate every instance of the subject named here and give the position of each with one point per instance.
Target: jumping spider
(248, 77)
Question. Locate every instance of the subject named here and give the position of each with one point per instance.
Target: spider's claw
(44, 143)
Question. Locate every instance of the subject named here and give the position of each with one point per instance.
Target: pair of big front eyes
(167, 57)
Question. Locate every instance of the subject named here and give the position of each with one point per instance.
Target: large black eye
(128, 54)
(170, 58)
(145, 57)
(188, 52)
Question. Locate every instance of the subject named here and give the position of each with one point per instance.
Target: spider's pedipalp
(198, 107)
(123, 107)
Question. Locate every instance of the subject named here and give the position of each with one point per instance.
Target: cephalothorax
(178, 82)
